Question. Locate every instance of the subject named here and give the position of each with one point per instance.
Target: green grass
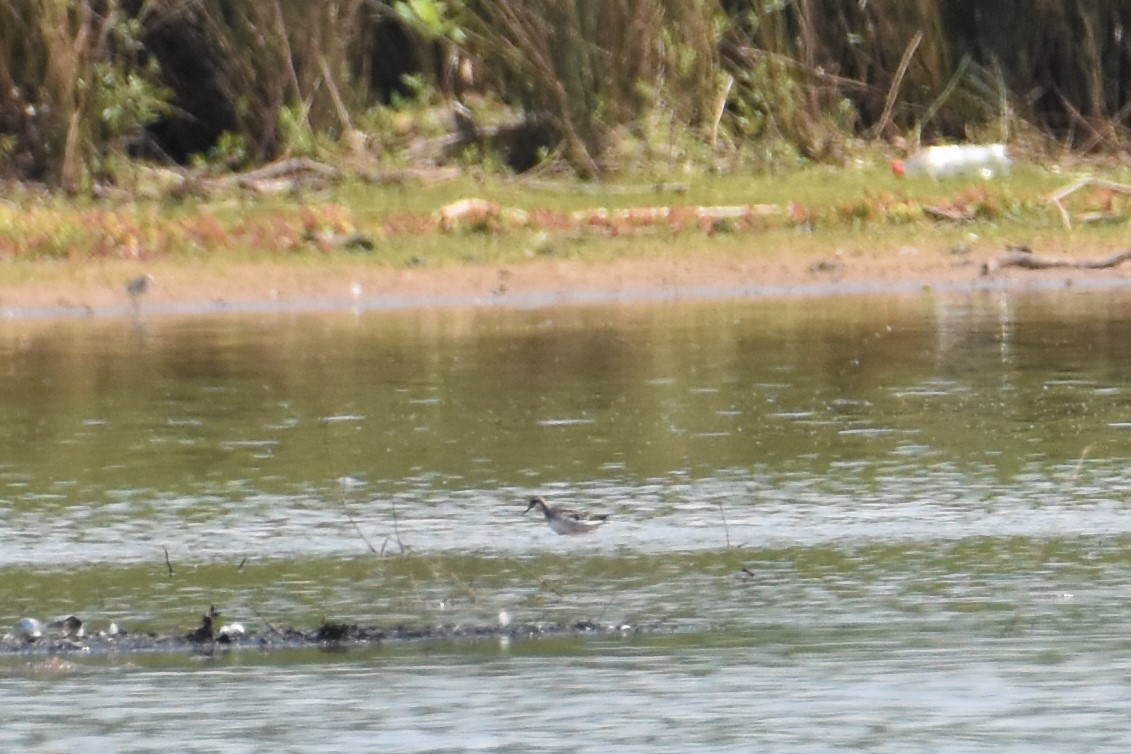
(862, 206)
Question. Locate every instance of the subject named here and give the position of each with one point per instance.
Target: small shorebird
(565, 521)
(206, 632)
(137, 288)
(28, 629)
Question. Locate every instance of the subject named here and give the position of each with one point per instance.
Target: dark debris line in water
(328, 635)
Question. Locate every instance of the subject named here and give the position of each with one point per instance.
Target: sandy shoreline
(180, 289)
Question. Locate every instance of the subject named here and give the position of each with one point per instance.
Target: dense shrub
(84, 81)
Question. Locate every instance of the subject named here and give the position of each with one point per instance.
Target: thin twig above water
(397, 529)
(612, 597)
(726, 528)
(357, 527)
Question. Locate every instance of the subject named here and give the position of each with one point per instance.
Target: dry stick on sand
(1057, 198)
(1027, 260)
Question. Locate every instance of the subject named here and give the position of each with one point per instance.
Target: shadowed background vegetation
(88, 85)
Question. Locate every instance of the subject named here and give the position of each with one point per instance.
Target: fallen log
(1026, 259)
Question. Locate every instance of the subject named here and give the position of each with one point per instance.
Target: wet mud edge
(327, 636)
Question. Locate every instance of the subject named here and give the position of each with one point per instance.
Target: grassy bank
(438, 135)
(403, 225)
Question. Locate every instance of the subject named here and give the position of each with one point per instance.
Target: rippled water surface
(860, 523)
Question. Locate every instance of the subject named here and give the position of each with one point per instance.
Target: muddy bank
(280, 287)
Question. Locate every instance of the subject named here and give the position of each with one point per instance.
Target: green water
(859, 522)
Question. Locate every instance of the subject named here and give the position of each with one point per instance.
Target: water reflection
(823, 496)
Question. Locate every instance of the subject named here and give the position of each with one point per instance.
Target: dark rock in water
(331, 632)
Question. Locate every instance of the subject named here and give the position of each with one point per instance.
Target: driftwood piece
(278, 177)
(291, 167)
(1057, 197)
(286, 175)
(327, 240)
(950, 214)
(1022, 257)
